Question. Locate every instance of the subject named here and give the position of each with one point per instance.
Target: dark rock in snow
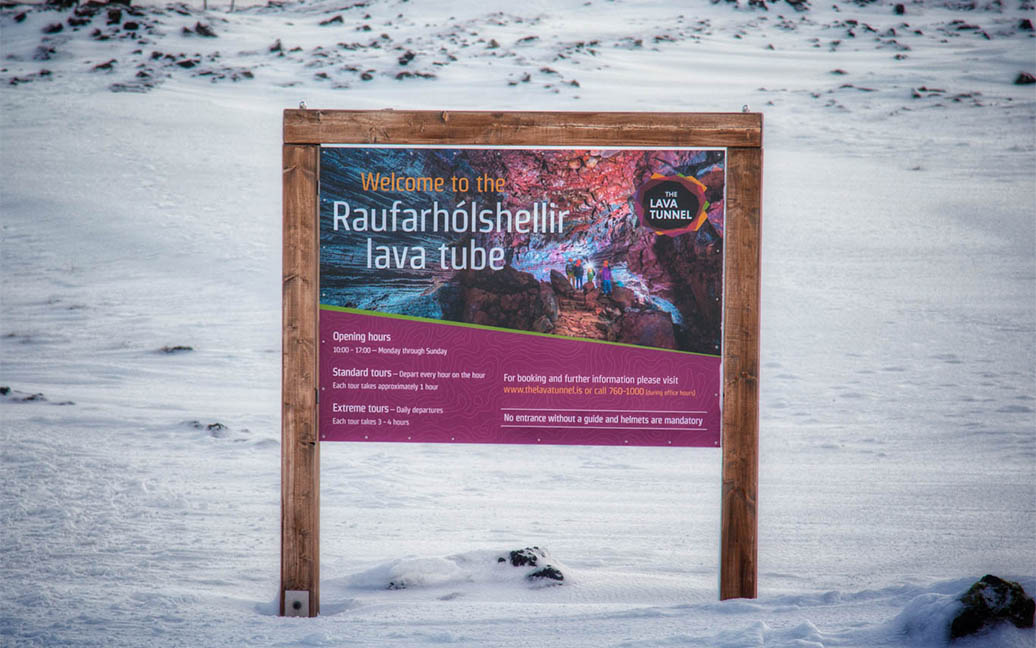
(335, 20)
(534, 557)
(15, 396)
(106, 66)
(20, 17)
(204, 30)
(1024, 25)
(406, 58)
(899, 9)
(990, 601)
(1025, 78)
(43, 53)
(53, 28)
(176, 349)
(549, 572)
(528, 556)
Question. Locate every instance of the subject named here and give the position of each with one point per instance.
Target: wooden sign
(519, 277)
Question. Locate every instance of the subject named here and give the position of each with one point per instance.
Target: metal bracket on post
(296, 603)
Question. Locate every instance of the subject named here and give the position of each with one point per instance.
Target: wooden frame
(306, 130)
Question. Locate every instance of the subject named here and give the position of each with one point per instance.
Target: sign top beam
(529, 128)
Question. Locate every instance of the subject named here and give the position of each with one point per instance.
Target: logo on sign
(671, 205)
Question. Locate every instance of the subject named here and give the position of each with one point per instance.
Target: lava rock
(507, 298)
(204, 30)
(549, 572)
(528, 556)
(623, 297)
(648, 328)
(990, 601)
(561, 285)
(543, 325)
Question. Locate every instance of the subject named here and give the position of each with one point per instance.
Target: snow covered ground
(140, 207)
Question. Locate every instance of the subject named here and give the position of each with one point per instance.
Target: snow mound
(532, 567)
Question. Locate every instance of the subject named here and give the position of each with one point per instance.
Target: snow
(899, 336)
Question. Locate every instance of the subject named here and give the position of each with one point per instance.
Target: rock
(543, 325)
(335, 20)
(529, 556)
(1025, 25)
(1025, 78)
(549, 572)
(899, 9)
(533, 557)
(623, 297)
(648, 328)
(561, 285)
(5, 390)
(176, 349)
(107, 65)
(990, 601)
(53, 28)
(202, 29)
(506, 298)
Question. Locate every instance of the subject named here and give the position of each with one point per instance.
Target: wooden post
(739, 529)
(300, 448)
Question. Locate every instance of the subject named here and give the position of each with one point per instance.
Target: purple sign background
(496, 386)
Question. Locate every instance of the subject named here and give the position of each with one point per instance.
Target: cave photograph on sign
(619, 245)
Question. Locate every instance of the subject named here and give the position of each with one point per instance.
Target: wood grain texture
(522, 128)
(739, 529)
(300, 450)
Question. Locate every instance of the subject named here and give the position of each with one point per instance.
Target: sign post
(520, 277)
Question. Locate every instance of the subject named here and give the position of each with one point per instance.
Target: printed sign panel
(521, 295)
